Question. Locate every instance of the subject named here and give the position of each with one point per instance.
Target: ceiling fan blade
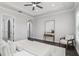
(39, 6)
(28, 5)
(37, 2)
(33, 2)
(33, 8)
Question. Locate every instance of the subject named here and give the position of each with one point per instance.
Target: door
(29, 29)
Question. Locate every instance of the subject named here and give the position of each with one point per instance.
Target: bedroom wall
(20, 30)
(77, 26)
(64, 24)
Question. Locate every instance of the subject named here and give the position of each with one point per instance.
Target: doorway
(7, 28)
(29, 29)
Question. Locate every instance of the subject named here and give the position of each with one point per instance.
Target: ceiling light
(34, 5)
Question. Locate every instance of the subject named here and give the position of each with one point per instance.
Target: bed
(39, 49)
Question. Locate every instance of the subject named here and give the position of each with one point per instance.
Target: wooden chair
(68, 40)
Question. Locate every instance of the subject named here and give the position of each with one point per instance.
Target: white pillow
(2, 43)
(8, 49)
(12, 47)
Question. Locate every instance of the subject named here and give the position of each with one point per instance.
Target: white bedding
(22, 53)
(9, 49)
(39, 49)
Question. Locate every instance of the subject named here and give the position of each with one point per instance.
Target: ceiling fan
(34, 4)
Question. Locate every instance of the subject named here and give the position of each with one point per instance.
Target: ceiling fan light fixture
(34, 5)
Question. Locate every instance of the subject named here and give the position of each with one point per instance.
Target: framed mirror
(50, 26)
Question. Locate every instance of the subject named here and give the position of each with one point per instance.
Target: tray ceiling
(47, 7)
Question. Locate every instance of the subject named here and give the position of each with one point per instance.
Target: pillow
(6, 50)
(12, 47)
(2, 43)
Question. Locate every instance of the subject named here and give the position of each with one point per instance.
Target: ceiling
(47, 7)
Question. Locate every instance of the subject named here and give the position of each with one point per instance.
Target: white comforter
(39, 49)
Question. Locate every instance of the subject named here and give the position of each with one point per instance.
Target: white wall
(20, 30)
(64, 24)
(77, 26)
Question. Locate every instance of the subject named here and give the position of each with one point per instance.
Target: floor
(70, 50)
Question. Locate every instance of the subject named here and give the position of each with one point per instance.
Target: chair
(68, 40)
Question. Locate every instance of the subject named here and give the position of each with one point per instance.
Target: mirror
(50, 26)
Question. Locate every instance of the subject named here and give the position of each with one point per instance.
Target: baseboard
(36, 39)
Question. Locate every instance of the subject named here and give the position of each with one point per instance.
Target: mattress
(37, 48)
